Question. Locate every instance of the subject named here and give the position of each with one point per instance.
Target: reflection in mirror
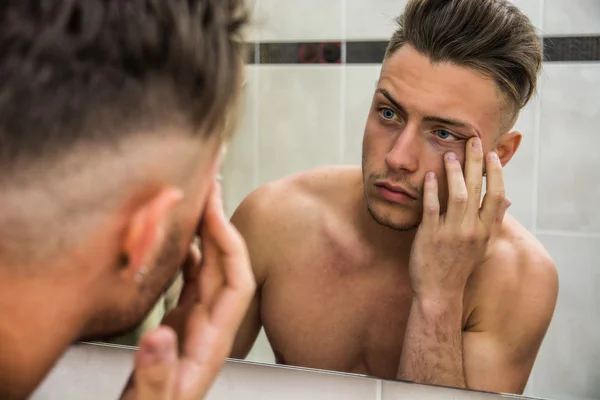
(357, 270)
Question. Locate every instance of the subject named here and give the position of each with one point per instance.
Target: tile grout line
(256, 127)
(572, 234)
(342, 133)
(379, 390)
(536, 160)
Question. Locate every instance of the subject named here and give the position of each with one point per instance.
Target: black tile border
(572, 48)
(556, 49)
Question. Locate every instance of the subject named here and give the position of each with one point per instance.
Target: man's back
(332, 297)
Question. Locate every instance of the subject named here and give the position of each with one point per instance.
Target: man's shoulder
(519, 274)
(300, 194)
(520, 251)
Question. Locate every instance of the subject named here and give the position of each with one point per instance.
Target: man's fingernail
(493, 156)
(476, 144)
(431, 176)
(451, 156)
(507, 203)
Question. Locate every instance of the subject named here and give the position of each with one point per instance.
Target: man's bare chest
(343, 318)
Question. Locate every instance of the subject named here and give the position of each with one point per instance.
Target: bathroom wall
(300, 115)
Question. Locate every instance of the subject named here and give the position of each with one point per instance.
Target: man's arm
(496, 354)
(250, 218)
(500, 353)
(448, 248)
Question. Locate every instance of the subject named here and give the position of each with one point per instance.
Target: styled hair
(79, 72)
(490, 36)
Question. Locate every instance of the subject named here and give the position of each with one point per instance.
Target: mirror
(335, 291)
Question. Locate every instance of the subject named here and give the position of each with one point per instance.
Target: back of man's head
(91, 92)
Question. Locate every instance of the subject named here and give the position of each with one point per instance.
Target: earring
(141, 275)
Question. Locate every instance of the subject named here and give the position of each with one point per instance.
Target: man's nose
(404, 154)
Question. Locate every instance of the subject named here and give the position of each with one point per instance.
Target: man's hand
(216, 293)
(445, 252)
(448, 247)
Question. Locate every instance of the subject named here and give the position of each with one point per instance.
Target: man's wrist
(436, 303)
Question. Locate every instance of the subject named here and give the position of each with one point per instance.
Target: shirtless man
(112, 118)
(400, 270)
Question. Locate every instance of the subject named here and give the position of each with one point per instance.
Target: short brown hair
(491, 36)
(93, 72)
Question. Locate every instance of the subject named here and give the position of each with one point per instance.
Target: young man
(112, 119)
(399, 270)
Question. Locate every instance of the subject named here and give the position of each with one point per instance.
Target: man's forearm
(433, 350)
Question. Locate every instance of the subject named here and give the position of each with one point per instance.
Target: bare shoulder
(519, 280)
(283, 211)
(519, 253)
(295, 197)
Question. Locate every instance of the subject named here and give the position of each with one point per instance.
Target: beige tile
(360, 85)
(567, 364)
(533, 9)
(571, 17)
(240, 172)
(403, 390)
(87, 372)
(372, 19)
(569, 173)
(261, 351)
(299, 119)
(261, 382)
(306, 20)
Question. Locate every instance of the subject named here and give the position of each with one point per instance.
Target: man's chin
(397, 223)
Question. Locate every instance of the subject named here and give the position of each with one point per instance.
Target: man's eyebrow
(429, 118)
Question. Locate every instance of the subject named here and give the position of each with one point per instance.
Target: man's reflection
(391, 271)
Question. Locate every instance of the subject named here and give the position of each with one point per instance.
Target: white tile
(405, 390)
(519, 172)
(261, 351)
(87, 372)
(251, 31)
(306, 20)
(571, 17)
(569, 173)
(533, 10)
(360, 85)
(262, 382)
(567, 365)
(299, 119)
(372, 19)
(240, 167)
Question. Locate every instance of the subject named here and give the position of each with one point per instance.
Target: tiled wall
(99, 372)
(300, 116)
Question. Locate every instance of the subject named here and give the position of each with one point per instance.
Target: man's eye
(387, 113)
(445, 135)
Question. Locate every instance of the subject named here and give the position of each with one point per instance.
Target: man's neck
(41, 318)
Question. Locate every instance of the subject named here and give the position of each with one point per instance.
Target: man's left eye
(445, 135)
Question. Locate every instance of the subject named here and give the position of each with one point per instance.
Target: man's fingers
(156, 365)
(457, 190)
(191, 270)
(495, 192)
(473, 178)
(502, 213)
(431, 202)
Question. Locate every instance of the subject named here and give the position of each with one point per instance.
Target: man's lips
(397, 189)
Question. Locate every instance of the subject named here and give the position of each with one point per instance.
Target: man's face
(421, 111)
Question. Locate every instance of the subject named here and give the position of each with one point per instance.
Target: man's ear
(145, 232)
(507, 146)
